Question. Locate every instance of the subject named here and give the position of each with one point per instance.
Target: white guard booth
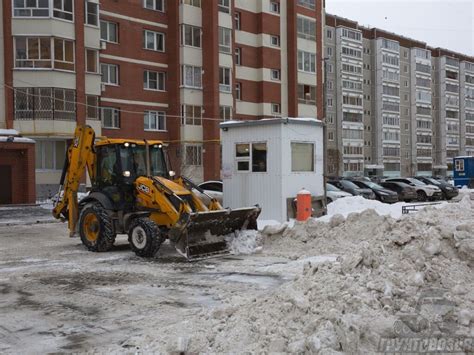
(268, 161)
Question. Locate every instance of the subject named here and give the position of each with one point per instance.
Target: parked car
(448, 190)
(405, 192)
(353, 189)
(333, 193)
(381, 193)
(213, 188)
(424, 192)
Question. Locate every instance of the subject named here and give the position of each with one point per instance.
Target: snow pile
(384, 270)
(244, 242)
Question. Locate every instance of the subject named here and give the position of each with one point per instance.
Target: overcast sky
(440, 23)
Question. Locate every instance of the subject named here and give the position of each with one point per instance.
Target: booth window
(255, 162)
(459, 165)
(302, 157)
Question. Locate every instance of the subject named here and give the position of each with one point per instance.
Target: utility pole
(324, 120)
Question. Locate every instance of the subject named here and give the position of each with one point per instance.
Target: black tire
(421, 195)
(101, 226)
(145, 237)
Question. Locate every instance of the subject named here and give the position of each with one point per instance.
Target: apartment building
(156, 69)
(395, 106)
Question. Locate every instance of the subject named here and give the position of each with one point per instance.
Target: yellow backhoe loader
(134, 192)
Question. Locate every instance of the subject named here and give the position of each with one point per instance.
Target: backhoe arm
(80, 155)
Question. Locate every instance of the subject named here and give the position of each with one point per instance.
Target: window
(153, 80)
(225, 113)
(45, 103)
(423, 68)
(276, 108)
(275, 7)
(92, 107)
(110, 117)
(352, 133)
(330, 68)
(224, 79)
(191, 36)
(242, 155)
(91, 14)
(352, 85)
(224, 6)
(63, 9)
(391, 59)
(306, 28)
(109, 73)
(92, 61)
(306, 94)
(191, 115)
(353, 69)
(351, 100)
(352, 52)
(193, 155)
(306, 62)
(310, 4)
(31, 8)
(196, 3)
(154, 41)
(50, 155)
(391, 90)
(329, 51)
(63, 54)
(391, 45)
(350, 34)
(157, 5)
(459, 164)
(352, 117)
(238, 91)
(191, 76)
(32, 52)
(330, 85)
(276, 74)
(154, 121)
(329, 34)
(237, 21)
(329, 102)
(109, 31)
(275, 41)
(225, 38)
(302, 157)
(238, 56)
(331, 136)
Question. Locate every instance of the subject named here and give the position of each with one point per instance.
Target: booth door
(5, 185)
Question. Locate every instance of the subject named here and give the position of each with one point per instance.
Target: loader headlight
(126, 173)
(126, 145)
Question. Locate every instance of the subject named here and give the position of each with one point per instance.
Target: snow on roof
(301, 120)
(9, 132)
(13, 139)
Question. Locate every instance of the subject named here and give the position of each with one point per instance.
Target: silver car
(213, 188)
(333, 193)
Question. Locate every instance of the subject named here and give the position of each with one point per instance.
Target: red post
(303, 205)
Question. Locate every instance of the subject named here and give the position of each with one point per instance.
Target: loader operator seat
(109, 168)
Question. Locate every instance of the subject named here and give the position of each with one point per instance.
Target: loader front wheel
(145, 237)
(95, 228)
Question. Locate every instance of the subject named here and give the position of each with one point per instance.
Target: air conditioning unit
(102, 87)
(103, 45)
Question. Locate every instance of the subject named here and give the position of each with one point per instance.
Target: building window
(92, 61)
(330, 68)
(191, 76)
(92, 13)
(310, 4)
(306, 62)
(224, 79)
(110, 117)
(306, 94)
(302, 157)
(276, 74)
(109, 74)
(191, 115)
(225, 113)
(63, 9)
(329, 51)
(257, 160)
(31, 8)
(238, 91)
(196, 3)
(191, 36)
(329, 34)
(330, 136)
(193, 155)
(276, 109)
(32, 52)
(224, 6)
(238, 56)
(154, 41)
(92, 107)
(237, 21)
(275, 7)
(50, 155)
(63, 54)
(242, 157)
(329, 102)
(109, 31)
(154, 121)
(153, 80)
(275, 41)
(306, 28)
(157, 5)
(225, 38)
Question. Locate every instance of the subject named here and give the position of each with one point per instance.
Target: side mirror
(172, 173)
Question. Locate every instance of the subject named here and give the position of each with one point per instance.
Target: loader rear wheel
(96, 229)
(145, 237)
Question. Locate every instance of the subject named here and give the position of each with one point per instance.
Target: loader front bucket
(202, 235)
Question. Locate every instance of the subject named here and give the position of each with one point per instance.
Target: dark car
(405, 192)
(381, 193)
(425, 191)
(449, 191)
(353, 189)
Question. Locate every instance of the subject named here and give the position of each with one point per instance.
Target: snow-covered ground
(338, 284)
